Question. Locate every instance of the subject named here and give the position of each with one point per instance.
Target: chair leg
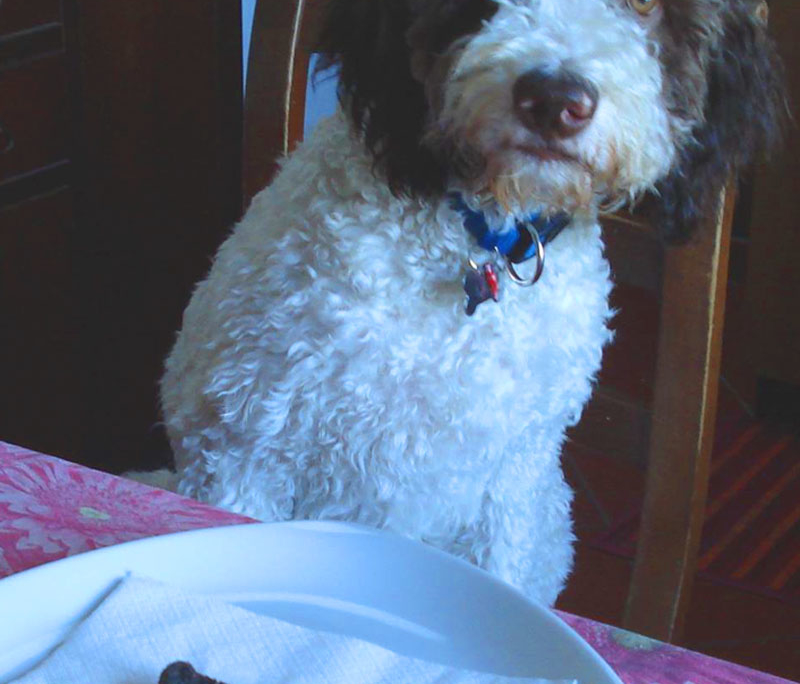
(682, 430)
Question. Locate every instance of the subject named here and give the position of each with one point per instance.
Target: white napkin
(143, 625)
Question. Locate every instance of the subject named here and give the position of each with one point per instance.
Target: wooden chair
(681, 429)
(280, 49)
(688, 359)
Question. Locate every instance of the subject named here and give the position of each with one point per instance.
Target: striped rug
(751, 534)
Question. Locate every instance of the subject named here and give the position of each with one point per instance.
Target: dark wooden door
(123, 121)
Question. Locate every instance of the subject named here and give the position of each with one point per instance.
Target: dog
(332, 366)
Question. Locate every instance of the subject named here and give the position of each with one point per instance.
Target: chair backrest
(688, 359)
(275, 96)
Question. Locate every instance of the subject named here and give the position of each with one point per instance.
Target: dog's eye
(644, 7)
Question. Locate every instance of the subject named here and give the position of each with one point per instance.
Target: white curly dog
(327, 368)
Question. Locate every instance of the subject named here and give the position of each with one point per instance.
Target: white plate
(348, 579)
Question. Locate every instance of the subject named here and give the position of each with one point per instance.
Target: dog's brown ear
(744, 115)
(366, 41)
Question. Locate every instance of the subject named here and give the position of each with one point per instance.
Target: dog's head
(570, 104)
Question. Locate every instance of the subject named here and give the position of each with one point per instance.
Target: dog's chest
(386, 306)
(518, 353)
(355, 300)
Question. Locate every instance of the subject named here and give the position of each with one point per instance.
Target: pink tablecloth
(50, 509)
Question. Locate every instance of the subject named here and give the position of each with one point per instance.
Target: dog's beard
(552, 186)
(489, 156)
(489, 164)
(522, 183)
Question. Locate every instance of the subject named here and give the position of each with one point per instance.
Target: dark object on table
(183, 673)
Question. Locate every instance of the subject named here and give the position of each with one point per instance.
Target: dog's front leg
(527, 520)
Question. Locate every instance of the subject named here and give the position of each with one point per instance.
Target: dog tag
(480, 284)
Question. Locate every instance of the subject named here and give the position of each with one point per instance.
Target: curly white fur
(326, 369)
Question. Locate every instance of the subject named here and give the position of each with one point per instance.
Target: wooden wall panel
(43, 401)
(19, 15)
(158, 124)
(771, 325)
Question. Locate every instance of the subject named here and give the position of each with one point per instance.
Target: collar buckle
(538, 255)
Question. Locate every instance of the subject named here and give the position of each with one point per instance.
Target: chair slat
(682, 429)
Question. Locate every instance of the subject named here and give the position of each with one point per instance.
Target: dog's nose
(555, 105)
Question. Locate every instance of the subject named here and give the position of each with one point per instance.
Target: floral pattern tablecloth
(50, 508)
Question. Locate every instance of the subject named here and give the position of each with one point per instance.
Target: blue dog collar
(524, 241)
(517, 244)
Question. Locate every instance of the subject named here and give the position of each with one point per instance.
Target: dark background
(123, 178)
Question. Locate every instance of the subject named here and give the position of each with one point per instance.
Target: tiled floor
(725, 622)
